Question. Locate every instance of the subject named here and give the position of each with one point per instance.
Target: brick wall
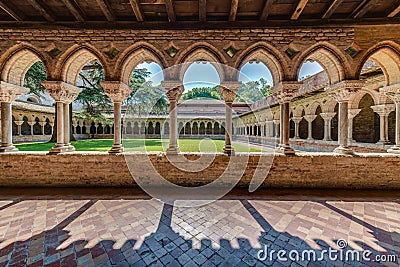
(371, 171)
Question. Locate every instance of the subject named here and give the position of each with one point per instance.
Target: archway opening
(318, 125)
(257, 82)
(366, 123)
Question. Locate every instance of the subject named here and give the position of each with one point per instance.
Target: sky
(205, 75)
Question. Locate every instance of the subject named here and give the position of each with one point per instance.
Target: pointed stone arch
(135, 55)
(17, 60)
(75, 59)
(331, 59)
(267, 54)
(387, 55)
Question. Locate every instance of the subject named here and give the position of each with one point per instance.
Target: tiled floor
(107, 229)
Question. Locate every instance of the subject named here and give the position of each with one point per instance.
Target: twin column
(393, 92)
(63, 93)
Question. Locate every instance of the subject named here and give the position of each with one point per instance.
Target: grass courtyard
(140, 145)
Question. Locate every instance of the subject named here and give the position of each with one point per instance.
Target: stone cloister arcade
(283, 51)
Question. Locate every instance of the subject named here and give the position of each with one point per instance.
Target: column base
(394, 150)
(383, 142)
(57, 150)
(6, 149)
(343, 151)
(70, 148)
(229, 150)
(286, 150)
(116, 149)
(173, 150)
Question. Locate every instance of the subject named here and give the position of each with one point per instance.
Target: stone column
(174, 90)
(228, 91)
(342, 92)
(284, 92)
(296, 121)
(118, 92)
(310, 119)
(8, 93)
(383, 111)
(52, 127)
(31, 123)
(393, 92)
(42, 123)
(327, 117)
(352, 114)
(63, 93)
(19, 124)
(276, 126)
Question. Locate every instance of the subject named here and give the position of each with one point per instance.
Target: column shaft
(66, 125)
(117, 147)
(173, 131)
(59, 147)
(228, 128)
(343, 129)
(285, 129)
(6, 127)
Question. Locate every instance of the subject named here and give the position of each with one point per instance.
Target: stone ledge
(306, 170)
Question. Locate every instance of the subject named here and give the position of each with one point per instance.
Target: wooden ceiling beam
(363, 8)
(137, 10)
(75, 10)
(10, 10)
(299, 9)
(266, 9)
(106, 10)
(43, 10)
(202, 10)
(234, 9)
(169, 5)
(394, 12)
(331, 9)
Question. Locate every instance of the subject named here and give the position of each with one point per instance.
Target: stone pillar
(31, 123)
(383, 111)
(276, 126)
(342, 92)
(352, 114)
(63, 93)
(228, 91)
(327, 117)
(8, 93)
(296, 121)
(19, 124)
(310, 119)
(173, 90)
(42, 123)
(393, 92)
(284, 93)
(118, 92)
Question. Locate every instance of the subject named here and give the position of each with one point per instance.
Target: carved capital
(9, 92)
(285, 91)
(342, 91)
(61, 91)
(173, 89)
(116, 90)
(353, 112)
(310, 118)
(392, 91)
(326, 116)
(229, 89)
(297, 120)
(383, 110)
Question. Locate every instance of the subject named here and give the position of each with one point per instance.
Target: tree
(33, 78)
(253, 91)
(202, 92)
(146, 98)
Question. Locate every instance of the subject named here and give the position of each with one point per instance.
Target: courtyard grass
(140, 145)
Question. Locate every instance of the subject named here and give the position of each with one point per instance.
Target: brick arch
(267, 54)
(387, 55)
(201, 51)
(356, 98)
(135, 55)
(312, 108)
(331, 59)
(75, 59)
(298, 111)
(329, 105)
(17, 61)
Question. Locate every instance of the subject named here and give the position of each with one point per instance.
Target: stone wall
(366, 171)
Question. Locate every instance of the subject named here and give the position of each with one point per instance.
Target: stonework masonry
(366, 171)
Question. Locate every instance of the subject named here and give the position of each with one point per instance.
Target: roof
(166, 12)
(30, 106)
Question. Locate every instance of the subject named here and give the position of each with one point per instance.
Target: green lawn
(149, 145)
